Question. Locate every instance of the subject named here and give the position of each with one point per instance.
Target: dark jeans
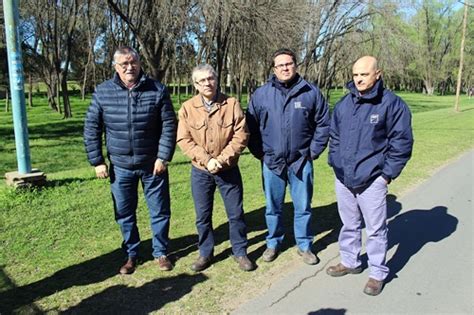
(229, 182)
(124, 186)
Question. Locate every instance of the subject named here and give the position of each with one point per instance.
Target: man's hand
(101, 171)
(160, 167)
(213, 166)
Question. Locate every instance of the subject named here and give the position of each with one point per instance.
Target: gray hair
(203, 67)
(125, 50)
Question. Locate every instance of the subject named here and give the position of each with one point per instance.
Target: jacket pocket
(225, 124)
(265, 125)
(198, 129)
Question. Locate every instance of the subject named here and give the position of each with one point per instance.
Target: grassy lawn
(60, 245)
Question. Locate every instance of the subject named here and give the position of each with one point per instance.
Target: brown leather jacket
(221, 133)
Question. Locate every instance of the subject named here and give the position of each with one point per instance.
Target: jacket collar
(375, 92)
(141, 79)
(285, 86)
(221, 100)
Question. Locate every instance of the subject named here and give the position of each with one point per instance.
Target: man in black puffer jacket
(136, 115)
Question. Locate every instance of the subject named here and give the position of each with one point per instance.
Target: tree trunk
(179, 91)
(30, 91)
(65, 94)
(429, 88)
(51, 91)
(7, 103)
(84, 80)
(58, 96)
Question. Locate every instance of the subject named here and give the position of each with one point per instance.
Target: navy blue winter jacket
(371, 136)
(287, 127)
(139, 124)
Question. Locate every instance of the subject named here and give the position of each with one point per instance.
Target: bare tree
(330, 25)
(52, 24)
(155, 25)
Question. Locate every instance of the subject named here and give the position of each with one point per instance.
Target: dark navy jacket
(287, 127)
(139, 124)
(371, 136)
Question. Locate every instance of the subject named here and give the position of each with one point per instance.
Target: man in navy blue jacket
(370, 142)
(135, 114)
(288, 120)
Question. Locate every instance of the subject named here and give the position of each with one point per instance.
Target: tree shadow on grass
(324, 219)
(91, 271)
(51, 130)
(145, 299)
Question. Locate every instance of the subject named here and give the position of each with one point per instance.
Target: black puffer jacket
(139, 124)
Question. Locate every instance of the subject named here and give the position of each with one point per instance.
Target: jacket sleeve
(93, 131)
(253, 123)
(167, 143)
(321, 132)
(239, 140)
(333, 137)
(400, 139)
(186, 142)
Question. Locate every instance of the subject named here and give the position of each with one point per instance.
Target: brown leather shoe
(308, 257)
(270, 254)
(245, 263)
(373, 287)
(340, 270)
(164, 263)
(129, 266)
(201, 263)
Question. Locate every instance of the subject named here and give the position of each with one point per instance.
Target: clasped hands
(213, 166)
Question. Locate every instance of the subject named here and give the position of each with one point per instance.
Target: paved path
(430, 256)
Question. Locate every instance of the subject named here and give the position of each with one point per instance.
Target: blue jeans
(124, 186)
(203, 185)
(301, 190)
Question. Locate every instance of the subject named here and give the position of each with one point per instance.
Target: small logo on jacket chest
(374, 118)
(298, 105)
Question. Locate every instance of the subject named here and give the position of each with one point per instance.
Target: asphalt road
(430, 257)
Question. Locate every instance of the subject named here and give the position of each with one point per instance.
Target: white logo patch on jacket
(298, 105)
(374, 118)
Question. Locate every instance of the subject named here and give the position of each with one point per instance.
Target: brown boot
(129, 266)
(201, 263)
(373, 287)
(245, 263)
(308, 257)
(270, 254)
(340, 270)
(164, 263)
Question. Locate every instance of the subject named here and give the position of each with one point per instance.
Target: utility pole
(25, 176)
(461, 57)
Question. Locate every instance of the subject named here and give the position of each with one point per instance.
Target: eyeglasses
(208, 79)
(124, 65)
(284, 65)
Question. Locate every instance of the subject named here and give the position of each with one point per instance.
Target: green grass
(60, 244)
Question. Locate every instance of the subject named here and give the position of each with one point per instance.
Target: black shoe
(245, 263)
(201, 263)
(270, 254)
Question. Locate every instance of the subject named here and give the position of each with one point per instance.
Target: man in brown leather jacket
(213, 133)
